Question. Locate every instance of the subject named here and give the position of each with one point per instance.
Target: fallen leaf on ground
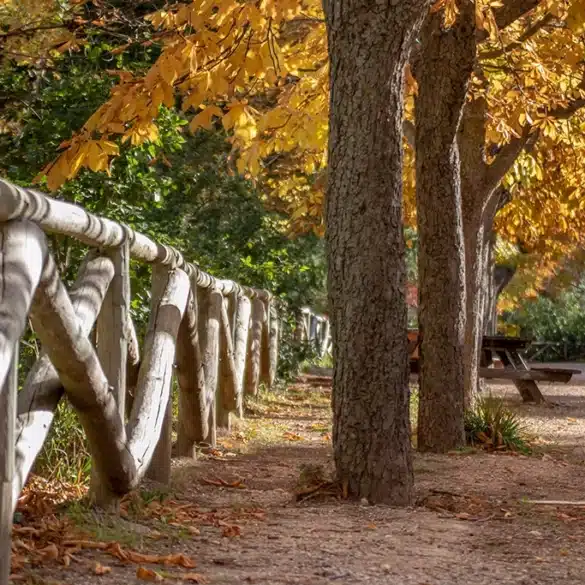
(50, 552)
(230, 531)
(101, 569)
(223, 483)
(194, 578)
(292, 436)
(148, 575)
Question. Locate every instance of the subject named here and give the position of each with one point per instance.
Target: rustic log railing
(219, 338)
(314, 329)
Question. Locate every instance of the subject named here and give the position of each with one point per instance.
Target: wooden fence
(315, 329)
(218, 338)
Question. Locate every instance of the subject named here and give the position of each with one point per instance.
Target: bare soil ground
(233, 513)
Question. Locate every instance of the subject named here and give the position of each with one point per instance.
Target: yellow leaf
(204, 118)
(168, 70)
(97, 159)
(576, 16)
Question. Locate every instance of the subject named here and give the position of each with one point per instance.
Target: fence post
(209, 325)
(193, 424)
(112, 326)
(227, 392)
(273, 343)
(159, 468)
(254, 347)
(241, 330)
(7, 464)
(112, 330)
(265, 347)
(160, 465)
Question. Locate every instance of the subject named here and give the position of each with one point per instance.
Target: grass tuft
(493, 426)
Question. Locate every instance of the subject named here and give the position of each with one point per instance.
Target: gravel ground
(471, 523)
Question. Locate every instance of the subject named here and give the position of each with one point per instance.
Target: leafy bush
(492, 425)
(559, 320)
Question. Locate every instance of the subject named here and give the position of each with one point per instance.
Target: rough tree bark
(369, 46)
(22, 253)
(170, 291)
(42, 390)
(193, 423)
(442, 67)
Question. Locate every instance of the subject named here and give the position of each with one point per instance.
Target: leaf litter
(485, 495)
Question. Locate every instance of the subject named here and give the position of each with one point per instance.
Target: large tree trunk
(369, 47)
(476, 266)
(443, 68)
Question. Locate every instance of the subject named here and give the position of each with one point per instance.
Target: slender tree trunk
(478, 234)
(482, 197)
(442, 68)
(369, 47)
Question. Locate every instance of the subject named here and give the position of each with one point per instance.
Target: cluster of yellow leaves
(541, 84)
(260, 68)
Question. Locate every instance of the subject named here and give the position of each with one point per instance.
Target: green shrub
(559, 320)
(492, 425)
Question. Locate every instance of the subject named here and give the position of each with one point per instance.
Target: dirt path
(470, 524)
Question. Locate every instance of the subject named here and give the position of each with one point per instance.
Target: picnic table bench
(514, 367)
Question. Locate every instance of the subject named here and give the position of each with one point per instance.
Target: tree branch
(506, 157)
(527, 34)
(565, 112)
(512, 11)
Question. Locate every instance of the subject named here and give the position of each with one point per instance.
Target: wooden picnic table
(509, 351)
